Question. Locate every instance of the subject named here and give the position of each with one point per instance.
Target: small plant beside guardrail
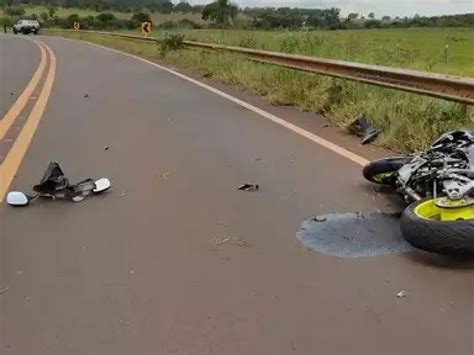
(171, 42)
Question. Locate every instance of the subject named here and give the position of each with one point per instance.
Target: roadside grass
(420, 49)
(407, 122)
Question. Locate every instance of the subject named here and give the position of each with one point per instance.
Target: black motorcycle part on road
(384, 166)
(449, 238)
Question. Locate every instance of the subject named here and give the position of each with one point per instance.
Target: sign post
(146, 28)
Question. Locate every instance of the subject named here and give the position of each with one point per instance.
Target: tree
(140, 17)
(331, 18)
(197, 9)
(371, 15)
(52, 11)
(44, 16)
(386, 18)
(183, 7)
(353, 16)
(221, 12)
(165, 7)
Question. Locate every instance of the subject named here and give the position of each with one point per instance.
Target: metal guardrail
(448, 87)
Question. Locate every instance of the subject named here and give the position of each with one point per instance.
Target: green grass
(420, 49)
(407, 121)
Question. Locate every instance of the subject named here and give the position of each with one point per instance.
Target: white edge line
(292, 127)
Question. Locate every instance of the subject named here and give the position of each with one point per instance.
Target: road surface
(138, 271)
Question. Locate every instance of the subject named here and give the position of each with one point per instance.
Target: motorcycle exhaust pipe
(412, 194)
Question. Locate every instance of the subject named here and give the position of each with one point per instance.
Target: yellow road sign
(77, 26)
(146, 28)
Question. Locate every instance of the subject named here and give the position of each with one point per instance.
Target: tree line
(222, 13)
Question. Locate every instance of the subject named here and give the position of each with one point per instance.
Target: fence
(448, 87)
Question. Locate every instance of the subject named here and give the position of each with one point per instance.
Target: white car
(26, 26)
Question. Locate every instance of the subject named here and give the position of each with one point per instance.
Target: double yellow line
(12, 161)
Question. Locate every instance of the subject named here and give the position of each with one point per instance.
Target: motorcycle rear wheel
(439, 230)
(381, 171)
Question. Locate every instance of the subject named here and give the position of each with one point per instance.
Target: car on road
(26, 26)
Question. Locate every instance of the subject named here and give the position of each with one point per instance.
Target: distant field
(157, 17)
(421, 49)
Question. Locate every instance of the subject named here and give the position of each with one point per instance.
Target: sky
(379, 7)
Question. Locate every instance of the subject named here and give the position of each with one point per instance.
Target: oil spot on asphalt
(353, 235)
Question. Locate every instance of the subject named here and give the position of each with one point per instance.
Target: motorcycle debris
(165, 176)
(249, 187)
(402, 294)
(55, 184)
(362, 128)
(233, 241)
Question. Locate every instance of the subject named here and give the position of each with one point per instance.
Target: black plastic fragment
(249, 187)
(362, 128)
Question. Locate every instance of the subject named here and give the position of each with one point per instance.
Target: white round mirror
(16, 198)
(102, 185)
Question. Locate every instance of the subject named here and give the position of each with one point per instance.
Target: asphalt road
(18, 61)
(137, 271)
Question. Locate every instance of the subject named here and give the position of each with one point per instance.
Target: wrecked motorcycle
(438, 186)
(55, 184)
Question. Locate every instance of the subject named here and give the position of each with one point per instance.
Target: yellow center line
(20, 103)
(13, 160)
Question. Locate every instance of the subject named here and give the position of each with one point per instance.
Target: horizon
(381, 8)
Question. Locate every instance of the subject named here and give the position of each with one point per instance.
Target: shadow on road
(464, 262)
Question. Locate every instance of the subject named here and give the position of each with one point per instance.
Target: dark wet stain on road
(352, 235)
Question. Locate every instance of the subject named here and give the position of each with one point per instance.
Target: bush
(118, 24)
(13, 11)
(132, 24)
(188, 24)
(168, 25)
(171, 42)
(141, 17)
(74, 18)
(106, 17)
(6, 21)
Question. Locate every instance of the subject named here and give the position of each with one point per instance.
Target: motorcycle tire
(381, 171)
(431, 234)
